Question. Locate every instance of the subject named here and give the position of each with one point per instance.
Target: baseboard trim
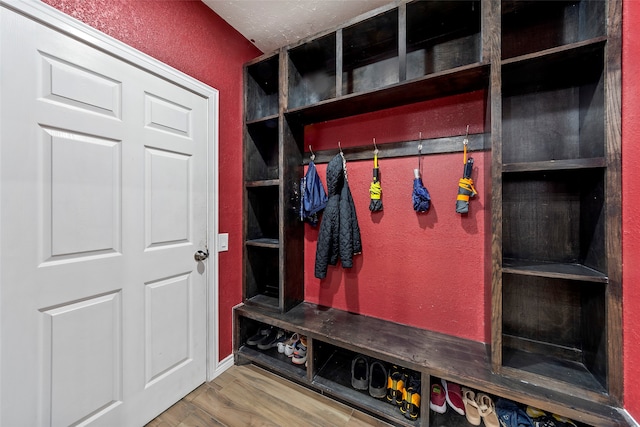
(223, 365)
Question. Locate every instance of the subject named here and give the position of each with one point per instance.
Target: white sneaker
(300, 354)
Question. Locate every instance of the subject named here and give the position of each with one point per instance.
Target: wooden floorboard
(250, 396)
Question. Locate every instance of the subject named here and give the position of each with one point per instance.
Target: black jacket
(339, 234)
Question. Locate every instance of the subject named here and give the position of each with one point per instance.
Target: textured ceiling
(271, 24)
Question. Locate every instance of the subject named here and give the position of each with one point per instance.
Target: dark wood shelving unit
(551, 75)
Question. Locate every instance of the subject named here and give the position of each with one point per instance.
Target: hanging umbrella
(421, 197)
(466, 190)
(375, 190)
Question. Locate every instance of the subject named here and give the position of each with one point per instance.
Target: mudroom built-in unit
(549, 76)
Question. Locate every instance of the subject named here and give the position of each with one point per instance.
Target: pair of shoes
(446, 393)
(299, 356)
(286, 346)
(369, 376)
(259, 336)
(267, 338)
(396, 383)
(410, 406)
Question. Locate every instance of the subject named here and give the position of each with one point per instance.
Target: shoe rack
(552, 74)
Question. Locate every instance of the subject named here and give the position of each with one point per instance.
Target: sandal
(396, 382)
(471, 407)
(410, 407)
(487, 410)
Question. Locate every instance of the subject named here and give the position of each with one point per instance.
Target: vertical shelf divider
(339, 63)
(402, 42)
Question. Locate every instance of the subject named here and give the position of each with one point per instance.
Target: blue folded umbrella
(421, 197)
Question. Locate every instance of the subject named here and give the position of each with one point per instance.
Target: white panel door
(103, 182)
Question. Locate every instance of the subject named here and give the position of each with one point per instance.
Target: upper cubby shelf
(532, 26)
(261, 89)
(442, 35)
(312, 71)
(553, 107)
(450, 82)
(370, 53)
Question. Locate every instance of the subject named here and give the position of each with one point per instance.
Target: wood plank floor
(249, 396)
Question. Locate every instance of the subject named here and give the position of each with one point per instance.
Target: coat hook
(420, 144)
(313, 156)
(375, 151)
(465, 141)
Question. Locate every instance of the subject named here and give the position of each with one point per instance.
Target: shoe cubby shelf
(550, 71)
(335, 336)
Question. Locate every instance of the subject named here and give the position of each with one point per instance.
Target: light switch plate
(223, 242)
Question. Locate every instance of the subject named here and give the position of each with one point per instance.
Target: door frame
(44, 14)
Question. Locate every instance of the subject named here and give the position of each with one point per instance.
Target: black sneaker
(272, 339)
(259, 336)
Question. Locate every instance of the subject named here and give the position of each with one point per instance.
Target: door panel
(103, 178)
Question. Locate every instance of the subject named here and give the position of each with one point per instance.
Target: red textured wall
(190, 37)
(630, 195)
(426, 270)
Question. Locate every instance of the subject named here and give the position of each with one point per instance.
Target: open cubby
(334, 375)
(262, 210)
(555, 217)
(442, 35)
(269, 358)
(532, 26)
(261, 89)
(261, 150)
(261, 278)
(553, 108)
(370, 53)
(555, 328)
(312, 71)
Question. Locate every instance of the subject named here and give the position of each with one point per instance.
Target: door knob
(201, 255)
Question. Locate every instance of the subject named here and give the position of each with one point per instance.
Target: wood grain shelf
(262, 300)
(264, 243)
(549, 165)
(263, 120)
(467, 78)
(262, 183)
(554, 270)
(274, 360)
(560, 54)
